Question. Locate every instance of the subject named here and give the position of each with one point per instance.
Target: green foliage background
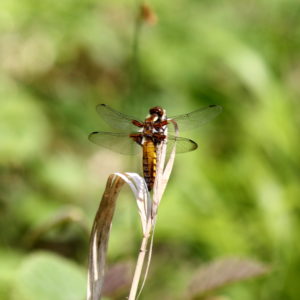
(237, 195)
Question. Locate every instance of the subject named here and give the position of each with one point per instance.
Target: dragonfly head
(157, 110)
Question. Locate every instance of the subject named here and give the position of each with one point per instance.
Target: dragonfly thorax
(154, 126)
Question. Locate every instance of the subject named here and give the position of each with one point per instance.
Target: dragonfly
(134, 133)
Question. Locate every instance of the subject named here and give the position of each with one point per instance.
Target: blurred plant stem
(135, 61)
(143, 15)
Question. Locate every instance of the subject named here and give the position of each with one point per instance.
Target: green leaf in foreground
(9, 262)
(48, 276)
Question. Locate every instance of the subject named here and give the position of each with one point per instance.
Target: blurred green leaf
(48, 276)
(24, 128)
(10, 261)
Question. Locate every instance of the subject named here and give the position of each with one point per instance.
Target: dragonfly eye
(156, 110)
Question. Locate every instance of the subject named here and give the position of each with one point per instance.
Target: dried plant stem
(140, 263)
(135, 60)
(102, 225)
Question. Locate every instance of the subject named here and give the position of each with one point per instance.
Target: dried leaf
(142, 196)
(163, 172)
(100, 236)
(102, 224)
(222, 272)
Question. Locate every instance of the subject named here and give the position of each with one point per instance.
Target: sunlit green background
(238, 195)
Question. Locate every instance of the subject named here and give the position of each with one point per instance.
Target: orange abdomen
(149, 163)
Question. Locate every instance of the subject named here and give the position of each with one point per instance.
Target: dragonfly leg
(137, 123)
(164, 123)
(160, 125)
(137, 137)
(158, 137)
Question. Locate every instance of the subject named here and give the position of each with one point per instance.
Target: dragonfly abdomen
(149, 162)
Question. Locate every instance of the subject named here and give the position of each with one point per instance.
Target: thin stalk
(140, 262)
(135, 68)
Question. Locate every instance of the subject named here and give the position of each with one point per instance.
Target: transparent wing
(118, 142)
(116, 119)
(196, 118)
(182, 144)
